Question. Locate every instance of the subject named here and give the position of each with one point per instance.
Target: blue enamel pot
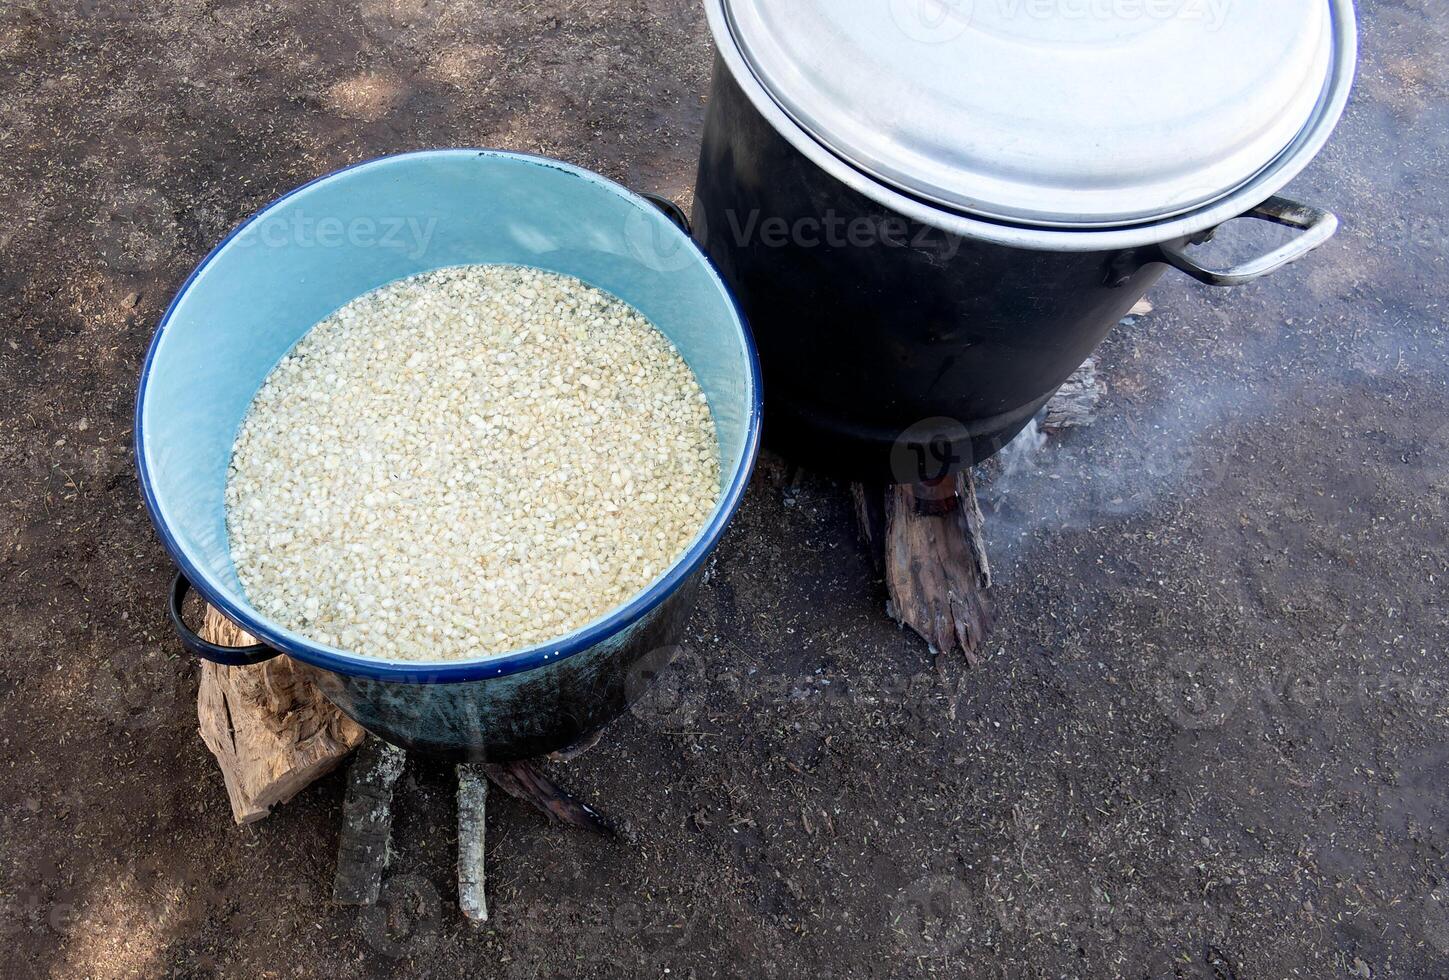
(340, 236)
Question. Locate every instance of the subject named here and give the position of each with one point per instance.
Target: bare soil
(1209, 739)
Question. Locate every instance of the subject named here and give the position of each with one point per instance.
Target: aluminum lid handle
(1317, 225)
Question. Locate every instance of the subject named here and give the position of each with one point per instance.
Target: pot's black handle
(671, 210)
(226, 656)
(1318, 226)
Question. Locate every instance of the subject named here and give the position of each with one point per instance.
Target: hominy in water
(468, 462)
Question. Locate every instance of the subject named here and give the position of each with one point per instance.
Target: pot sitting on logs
(252, 298)
(932, 211)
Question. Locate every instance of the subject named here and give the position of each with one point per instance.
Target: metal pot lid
(1061, 113)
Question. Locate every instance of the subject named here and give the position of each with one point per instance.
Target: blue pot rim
(340, 662)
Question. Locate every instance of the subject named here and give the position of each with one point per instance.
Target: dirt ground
(1209, 739)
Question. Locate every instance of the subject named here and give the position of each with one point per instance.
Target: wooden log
(363, 848)
(933, 557)
(522, 781)
(1076, 402)
(934, 498)
(870, 521)
(928, 539)
(472, 872)
(271, 730)
(936, 568)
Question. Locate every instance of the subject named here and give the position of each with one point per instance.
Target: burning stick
(932, 549)
(362, 851)
(522, 781)
(928, 539)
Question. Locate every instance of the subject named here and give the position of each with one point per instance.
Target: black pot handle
(226, 656)
(1316, 224)
(671, 210)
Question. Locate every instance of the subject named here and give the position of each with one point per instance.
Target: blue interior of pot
(353, 231)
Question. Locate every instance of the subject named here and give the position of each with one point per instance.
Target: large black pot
(902, 340)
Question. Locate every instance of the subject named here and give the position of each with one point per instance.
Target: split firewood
(273, 734)
(936, 569)
(870, 520)
(271, 730)
(364, 846)
(1076, 402)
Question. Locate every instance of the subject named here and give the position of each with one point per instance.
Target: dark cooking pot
(932, 211)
